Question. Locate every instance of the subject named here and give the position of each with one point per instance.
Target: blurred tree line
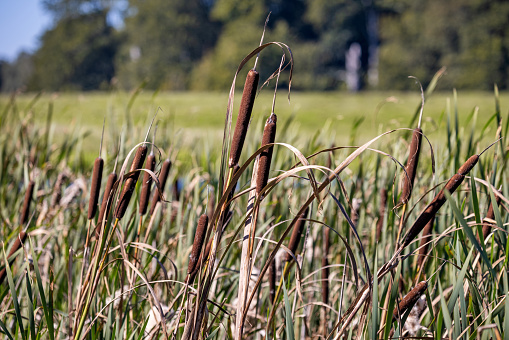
(197, 44)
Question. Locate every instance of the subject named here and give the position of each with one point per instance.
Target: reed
(199, 238)
(381, 214)
(268, 137)
(244, 117)
(325, 266)
(25, 211)
(107, 201)
(410, 299)
(150, 164)
(411, 166)
(95, 188)
(163, 177)
(130, 182)
(272, 280)
(18, 243)
(430, 211)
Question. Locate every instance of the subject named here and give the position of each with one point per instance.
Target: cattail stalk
(269, 136)
(246, 107)
(95, 187)
(201, 260)
(147, 182)
(130, 182)
(383, 208)
(163, 177)
(410, 299)
(439, 200)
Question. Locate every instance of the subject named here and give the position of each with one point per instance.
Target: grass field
(187, 115)
(332, 246)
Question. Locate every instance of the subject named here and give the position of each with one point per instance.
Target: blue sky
(21, 23)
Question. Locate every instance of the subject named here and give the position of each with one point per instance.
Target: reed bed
(262, 238)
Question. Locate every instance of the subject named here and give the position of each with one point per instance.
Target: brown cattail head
(203, 257)
(130, 182)
(105, 205)
(199, 238)
(246, 107)
(269, 136)
(486, 228)
(439, 200)
(18, 243)
(383, 207)
(468, 165)
(411, 165)
(298, 228)
(25, 211)
(147, 182)
(424, 244)
(272, 280)
(163, 176)
(95, 189)
(410, 299)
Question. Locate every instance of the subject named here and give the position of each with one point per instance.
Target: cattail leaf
(392, 302)
(288, 314)
(5, 330)
(14, 296)
(468, 230)
(31, 307)
(444, 311)
(45, 306)
(375, 320)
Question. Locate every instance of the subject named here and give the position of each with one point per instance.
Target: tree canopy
(197, 44)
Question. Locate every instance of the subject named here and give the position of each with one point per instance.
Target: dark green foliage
(76, 54)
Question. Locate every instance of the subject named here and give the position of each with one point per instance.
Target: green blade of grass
(45, 306)
(30, 306)
(288, 314)
(14, 296)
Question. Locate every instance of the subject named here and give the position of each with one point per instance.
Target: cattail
(97, 174)
(176, 193)
(410, 299)
(130, 182)
(424, 244)
(298, 228)
(25, 211)
(203, 257)
(411, 165)
(163, 176)
(246, 107)
(147, 181)
(105, 205)
(486, 228)
(439, 200)
(272, 280)
(325, 268)
(199, 238)
(269, 136)
(383, 207)
(18, 243)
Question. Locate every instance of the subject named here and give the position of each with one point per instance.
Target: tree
(77, 54)
(16, 75)
(164, 39)
(469, 37)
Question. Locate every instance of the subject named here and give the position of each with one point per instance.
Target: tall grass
(330, 252)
